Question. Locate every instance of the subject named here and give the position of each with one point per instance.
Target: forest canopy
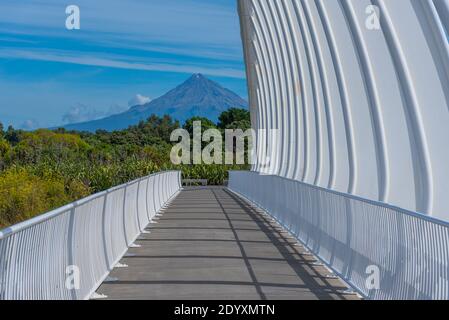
(45, 169)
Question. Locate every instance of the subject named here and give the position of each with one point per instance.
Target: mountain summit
(197, 96)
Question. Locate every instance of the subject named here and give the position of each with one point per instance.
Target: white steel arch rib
(360, 110)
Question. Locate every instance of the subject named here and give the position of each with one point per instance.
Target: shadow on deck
(209, 244)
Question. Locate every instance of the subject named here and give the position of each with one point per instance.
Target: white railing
(66, 254)
(358, 239)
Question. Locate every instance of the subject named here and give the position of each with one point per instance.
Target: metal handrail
(56, 212)
(91, 234)
(358, 198)
(405, 253)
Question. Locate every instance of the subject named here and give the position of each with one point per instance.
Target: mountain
(198, 96)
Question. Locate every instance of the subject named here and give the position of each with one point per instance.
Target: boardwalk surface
(210, 244)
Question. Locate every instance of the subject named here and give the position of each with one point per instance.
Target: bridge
(211, 244)
(350, 104)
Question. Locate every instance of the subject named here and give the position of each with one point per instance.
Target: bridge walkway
(211, 245)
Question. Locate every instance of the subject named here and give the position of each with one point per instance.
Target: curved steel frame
(359, 91)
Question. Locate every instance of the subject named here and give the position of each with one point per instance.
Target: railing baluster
(351, 234)
(92, 234)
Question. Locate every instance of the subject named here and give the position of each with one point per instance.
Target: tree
(240, 124)
(1, 130)
(12, 135)
(233, 116)
(4, 149)
(60, 130)
(154, 128)
(206, 124)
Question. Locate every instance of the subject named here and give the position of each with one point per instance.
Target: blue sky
(50, 75)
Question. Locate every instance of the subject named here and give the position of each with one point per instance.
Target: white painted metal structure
(382, 251)
(40, 258)
(359, 90)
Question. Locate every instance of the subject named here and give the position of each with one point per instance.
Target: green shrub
(44, 169)
(24, 195)
(215, 174)
(4, 152)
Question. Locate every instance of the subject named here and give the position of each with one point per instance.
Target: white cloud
(139, 100)
(118, 62)
(115, 109)
(29, 124)
(81, 113)
(189, 21)
(196, 28)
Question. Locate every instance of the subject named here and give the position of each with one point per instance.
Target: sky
(125, 52)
